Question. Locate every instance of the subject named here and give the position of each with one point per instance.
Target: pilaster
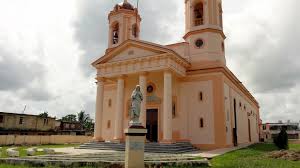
(99, 109)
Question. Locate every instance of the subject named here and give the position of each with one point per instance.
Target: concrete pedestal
(135, 143)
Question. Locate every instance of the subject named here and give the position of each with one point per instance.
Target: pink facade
(190, 94)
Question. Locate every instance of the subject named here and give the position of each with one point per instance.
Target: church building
(190, 95)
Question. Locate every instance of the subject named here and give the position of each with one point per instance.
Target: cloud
(45, 57)
(26, 78)
(91, 26)
(262, 50)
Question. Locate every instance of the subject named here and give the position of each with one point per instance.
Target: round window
(199, 43)
(150, 89)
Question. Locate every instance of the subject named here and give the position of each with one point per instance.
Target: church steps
(182, 147)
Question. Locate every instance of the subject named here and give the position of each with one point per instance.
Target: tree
(281, 141)
(82, 116)
(85, 120)
(69, 118)
(44, 114)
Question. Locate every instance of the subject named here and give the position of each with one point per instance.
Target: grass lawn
(254, 156)
(12, 166)
(22, 149)
(294, 146)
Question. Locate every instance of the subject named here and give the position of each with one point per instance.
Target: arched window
(199, 14)
(108, 124)
(223, 46)
(115, 33)
(135, 31)
(201, 96)
(109, 103)
(227, 115)
(201, 123)
(220, 15)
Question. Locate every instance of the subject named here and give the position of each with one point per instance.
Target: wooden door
(152, 125)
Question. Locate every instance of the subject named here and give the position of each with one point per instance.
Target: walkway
(217, 152)
(203, 154)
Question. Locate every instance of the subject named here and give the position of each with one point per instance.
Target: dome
(126, 5)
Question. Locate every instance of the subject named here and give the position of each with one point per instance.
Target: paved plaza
(105, 159)
(74, 157)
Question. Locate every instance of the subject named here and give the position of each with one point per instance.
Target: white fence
(39, 139)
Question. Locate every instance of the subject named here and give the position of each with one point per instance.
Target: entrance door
(152, 125)
(235, 140)
(249, 130)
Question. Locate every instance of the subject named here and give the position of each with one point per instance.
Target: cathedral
(190, 95)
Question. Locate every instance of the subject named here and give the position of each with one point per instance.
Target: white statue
(136, 99)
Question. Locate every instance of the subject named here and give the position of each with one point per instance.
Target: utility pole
(24, 109)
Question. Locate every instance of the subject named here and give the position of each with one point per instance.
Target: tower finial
(125, 1)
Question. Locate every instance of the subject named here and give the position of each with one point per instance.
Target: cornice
(139, 44)
(141, 65)
(229, 75)
(203, 31)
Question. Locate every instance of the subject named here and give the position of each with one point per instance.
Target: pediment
(133, 52)
(133, 49)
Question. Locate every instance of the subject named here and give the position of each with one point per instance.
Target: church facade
(189, 92)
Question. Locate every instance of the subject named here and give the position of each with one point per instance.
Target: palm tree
(85, 120)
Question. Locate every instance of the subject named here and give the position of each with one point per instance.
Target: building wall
(227, 109)
(244, 106)
(108, 118)
(30, 122)
(211, 51)
(196, 109)
(216, 109)
(182, 49)
(36, 140)
(131, 81)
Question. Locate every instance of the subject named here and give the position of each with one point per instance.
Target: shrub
(281, 141)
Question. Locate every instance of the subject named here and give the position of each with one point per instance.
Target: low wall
(39, 139)
(294, 141)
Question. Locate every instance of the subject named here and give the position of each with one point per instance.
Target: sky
(46, 47)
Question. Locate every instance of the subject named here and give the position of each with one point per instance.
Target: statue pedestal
(135, 142)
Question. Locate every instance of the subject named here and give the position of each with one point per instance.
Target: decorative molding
(100, 79)
(143, 64)
(203, 31)
(158, 49)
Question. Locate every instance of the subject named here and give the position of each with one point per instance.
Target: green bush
(281, 141)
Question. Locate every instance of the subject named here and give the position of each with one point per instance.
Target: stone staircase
(175, 148)
(108, 159)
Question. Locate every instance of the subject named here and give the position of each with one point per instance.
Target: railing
(198, 22)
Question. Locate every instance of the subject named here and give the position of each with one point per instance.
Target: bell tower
(124, 24)
(204, 32)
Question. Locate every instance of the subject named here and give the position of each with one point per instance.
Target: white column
(167, 103)
(143, 86)
(119, 110)
(99, 110)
